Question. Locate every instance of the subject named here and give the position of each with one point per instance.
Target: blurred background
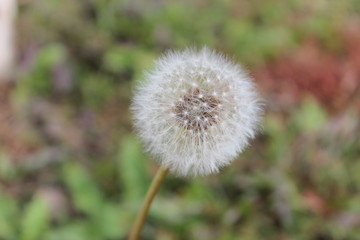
(71, 167)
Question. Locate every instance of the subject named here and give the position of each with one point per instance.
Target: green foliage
(96, 90)
(74, 231)
(39, 80)
(104, 216)
(310, 117)
(84, 192)
(7, 168)
(35, 220)
(132, 171)
(127, 60)
(8, 217)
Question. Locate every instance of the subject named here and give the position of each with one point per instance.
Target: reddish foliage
(333, 79)
(315, 203)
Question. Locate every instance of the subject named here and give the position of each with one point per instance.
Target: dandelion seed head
(196, 111)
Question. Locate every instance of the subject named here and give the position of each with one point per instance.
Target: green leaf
(110, 221)
(8, 217)
(76, 230)
(83, 189)
(36, 220)
(7, 168)
(276, 130)
(310, 116)
(132, 171)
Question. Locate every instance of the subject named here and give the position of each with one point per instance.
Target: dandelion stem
(142, 214)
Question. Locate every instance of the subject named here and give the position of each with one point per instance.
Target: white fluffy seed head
(195, 111)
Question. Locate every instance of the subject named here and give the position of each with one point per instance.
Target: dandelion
(195, 112)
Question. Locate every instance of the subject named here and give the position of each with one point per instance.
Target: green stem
(141, 217)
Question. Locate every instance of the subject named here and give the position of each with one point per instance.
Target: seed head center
(196, 110)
